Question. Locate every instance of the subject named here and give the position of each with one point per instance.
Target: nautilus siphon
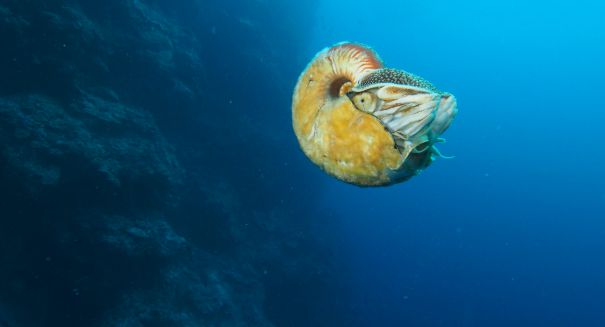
(366, 124)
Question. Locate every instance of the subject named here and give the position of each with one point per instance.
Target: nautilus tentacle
(366, 124)
(412, 109)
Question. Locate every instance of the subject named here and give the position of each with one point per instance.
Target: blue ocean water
(150, 176)
(512, 231)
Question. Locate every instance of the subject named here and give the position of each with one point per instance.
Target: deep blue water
(512, 231)
(149, 174)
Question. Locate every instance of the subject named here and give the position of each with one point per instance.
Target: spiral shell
(348, 143)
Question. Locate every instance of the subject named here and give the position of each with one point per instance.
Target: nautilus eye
(365, 101)
(366, 124)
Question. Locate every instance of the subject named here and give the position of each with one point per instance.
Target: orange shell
(349, 144)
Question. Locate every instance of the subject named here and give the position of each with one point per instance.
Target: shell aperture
(408, 106)
(366, 124)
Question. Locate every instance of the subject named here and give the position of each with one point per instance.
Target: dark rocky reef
(146, 166)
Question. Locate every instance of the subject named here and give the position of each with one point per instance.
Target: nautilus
(364, 123)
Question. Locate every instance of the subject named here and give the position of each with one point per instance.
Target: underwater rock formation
(98, 136)
(120, 207)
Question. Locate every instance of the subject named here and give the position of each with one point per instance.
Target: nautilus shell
(366, 124)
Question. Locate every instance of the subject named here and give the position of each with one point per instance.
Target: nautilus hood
(366, 124)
